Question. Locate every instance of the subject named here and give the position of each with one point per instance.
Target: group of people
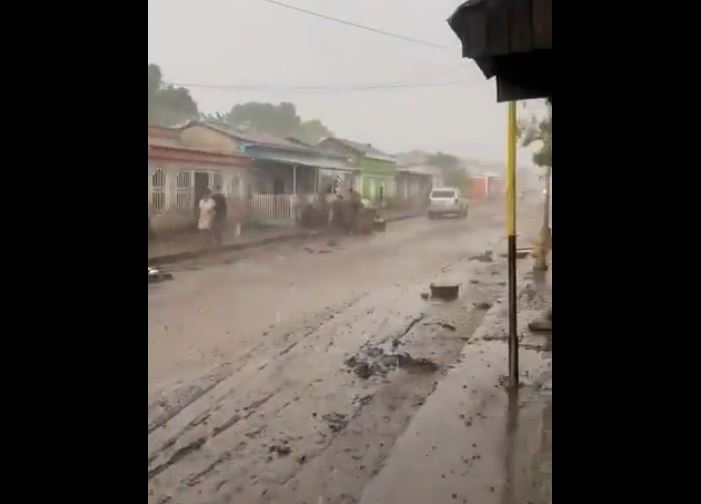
(344, 212)
(213, 213)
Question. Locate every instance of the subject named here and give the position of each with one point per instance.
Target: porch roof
(366, 150)
(254, 137)
(509, 39)
(419, 170)
(179, 154)
(312, 158)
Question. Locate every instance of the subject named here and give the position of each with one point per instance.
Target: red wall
(478, 188)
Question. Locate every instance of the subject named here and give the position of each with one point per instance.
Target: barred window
(217, 181)
(184, 191)
(234, 187)
(158, 190)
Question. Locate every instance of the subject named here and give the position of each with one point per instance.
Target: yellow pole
(511, 173)
(511, 237)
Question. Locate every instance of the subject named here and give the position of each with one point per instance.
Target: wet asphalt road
(251, 398)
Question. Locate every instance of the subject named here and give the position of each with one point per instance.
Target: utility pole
(511, 237)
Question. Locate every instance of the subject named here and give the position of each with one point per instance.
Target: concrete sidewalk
(473, 441)
(162, 251)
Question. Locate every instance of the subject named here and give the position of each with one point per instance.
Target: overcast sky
(254, 43)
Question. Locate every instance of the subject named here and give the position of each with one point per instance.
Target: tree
(312, 132)
(281, 120)
(454, 172)
(536, 130)
(168, 105)
(541, 131)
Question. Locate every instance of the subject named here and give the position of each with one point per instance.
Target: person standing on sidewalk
(220, 214)
(206, 220)
(355, 204)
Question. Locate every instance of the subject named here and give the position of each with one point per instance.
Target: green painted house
(377, 170)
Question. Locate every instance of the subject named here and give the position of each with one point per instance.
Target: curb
(181, 256)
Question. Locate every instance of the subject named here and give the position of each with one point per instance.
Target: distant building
(377, 169)
(178, 174)
(486, 185)
(285, 174)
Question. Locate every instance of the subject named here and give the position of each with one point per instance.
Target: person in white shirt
(207, 214)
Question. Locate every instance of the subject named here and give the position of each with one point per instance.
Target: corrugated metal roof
(254, 137)
(314, 158)
(163, 132)
(165, 143)
(420, 170)
(366, 150)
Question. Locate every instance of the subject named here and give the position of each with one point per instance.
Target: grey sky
(252, 42)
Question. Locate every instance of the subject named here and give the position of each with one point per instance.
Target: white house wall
(170, 218)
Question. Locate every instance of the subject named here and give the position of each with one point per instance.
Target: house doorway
(278, 186)
(201, 186)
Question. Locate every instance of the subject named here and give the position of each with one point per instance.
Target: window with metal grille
(234, 187)
(158, 190)
(184, 191)
(216, 181)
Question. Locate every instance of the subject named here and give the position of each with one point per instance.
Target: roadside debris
(380, 224)
(420, 365)
(375, 362)
(281, 450)
(443, 325)
(425, 295)
(310, 250)
(483, 306)
(485, 257)
(542, 324)
(396, 340)
(337, 422)
(520, 253)
(156, 275)
(446, 292)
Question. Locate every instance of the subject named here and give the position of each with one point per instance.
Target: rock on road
(285, 374)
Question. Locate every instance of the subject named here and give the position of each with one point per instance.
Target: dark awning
(509, 39)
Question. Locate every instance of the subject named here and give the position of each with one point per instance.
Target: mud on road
(308, 405)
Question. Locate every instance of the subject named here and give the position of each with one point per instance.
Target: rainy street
(301, 372)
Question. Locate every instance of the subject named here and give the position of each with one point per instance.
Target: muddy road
(285, 374)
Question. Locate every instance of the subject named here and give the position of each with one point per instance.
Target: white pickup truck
(447, 201)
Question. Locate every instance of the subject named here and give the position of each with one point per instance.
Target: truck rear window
(443, 194)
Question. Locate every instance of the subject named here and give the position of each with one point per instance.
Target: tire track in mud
(334, 325)
(361, 448)
(364, 400)
(204, 415)
(203, 465)
(195, 445)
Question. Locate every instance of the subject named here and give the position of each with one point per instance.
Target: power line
(354, 88)
(356, 25)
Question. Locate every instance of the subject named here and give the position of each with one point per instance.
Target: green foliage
(312, 132)
(539, 131)
(281, 120)
(168, 105)
(454, 173)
